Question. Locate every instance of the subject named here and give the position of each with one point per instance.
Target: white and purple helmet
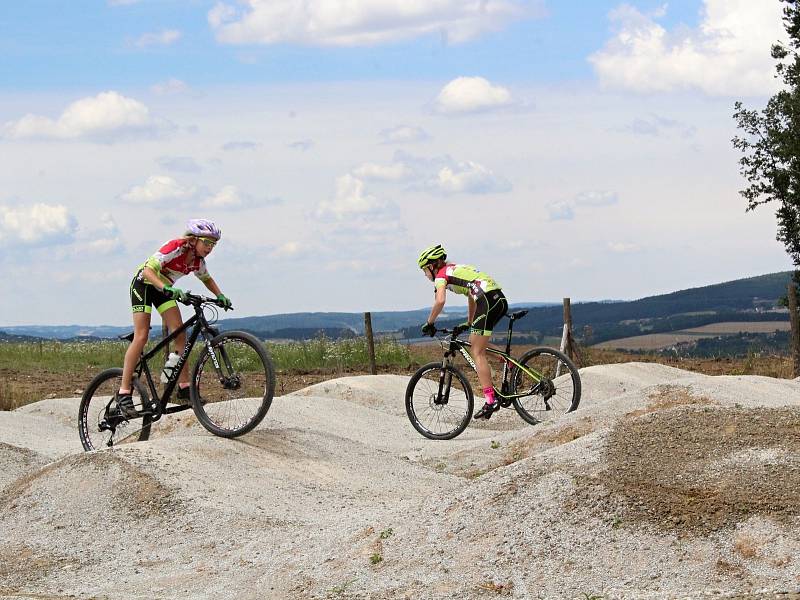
(203, 228)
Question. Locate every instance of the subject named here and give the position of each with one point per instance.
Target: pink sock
(488, 395)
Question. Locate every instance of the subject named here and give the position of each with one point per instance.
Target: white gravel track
(335, 495)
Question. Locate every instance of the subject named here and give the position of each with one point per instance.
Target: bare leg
(479, 345)
(141, 331)
(172, 318)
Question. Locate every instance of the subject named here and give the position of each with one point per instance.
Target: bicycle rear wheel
(558, 391)
(99, 423)
(232, 388)
(439, 401)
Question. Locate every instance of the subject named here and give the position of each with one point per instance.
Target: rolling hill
(749, 299)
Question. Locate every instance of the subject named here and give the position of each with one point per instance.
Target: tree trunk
(794, 316)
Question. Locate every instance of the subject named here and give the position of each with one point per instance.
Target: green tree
(770, 141)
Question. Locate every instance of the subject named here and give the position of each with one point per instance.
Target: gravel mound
(664, 484)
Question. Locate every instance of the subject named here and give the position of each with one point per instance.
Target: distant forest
(594, 322)
(736, 345)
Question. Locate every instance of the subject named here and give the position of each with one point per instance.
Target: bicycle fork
(224, 368)
(445, 379)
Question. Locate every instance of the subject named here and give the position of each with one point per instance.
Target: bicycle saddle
(517, 315)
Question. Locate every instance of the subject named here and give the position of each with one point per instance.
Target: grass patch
(336, 355)
(339, 590)
(32, 371)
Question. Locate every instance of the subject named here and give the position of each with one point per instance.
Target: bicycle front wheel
(100, 424)
(439, 401)
(549, 385)
(233, 385)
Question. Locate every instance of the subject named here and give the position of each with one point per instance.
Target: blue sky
(569, 148)
(51, 44)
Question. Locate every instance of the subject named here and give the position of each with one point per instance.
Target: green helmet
(431, 254)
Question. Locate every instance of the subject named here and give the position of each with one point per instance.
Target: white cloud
(36, 225)
(122, 2)
(350, 199)
(161, 38)
(564, 210)
(169, 87)
(105, 240)
(470, 178)
(241, 146)
(183, 164)
(108, 224)
(471, 94)
(403, 134)
(728, 54)
(228, 197)
(302, 145)
(105, 246)
(157, 188)
(363, 22)
(657, 126)
(622, 247)
(439, 175)
(287, 250)
(561, 210)
(102, 117)
(596, 198)
(396, 171)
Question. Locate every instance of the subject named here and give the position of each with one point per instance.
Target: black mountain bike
(232, 385)
(542, 383)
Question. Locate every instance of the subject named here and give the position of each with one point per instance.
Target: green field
(27, 367)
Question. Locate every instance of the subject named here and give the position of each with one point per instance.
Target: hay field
(651, 341)
(659, 341)
(737, 327)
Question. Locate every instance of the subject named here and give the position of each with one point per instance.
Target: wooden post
(370, 343)
(794, 316)
(572, 350)
(567, 338)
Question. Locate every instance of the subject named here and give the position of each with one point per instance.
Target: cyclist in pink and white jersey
(486, 306)
(153, 286)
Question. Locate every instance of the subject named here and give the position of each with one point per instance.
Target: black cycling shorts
(489, 309)
(145, 296)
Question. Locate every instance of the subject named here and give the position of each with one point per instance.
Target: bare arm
(152, 277)
(438, 304)
(212, 286)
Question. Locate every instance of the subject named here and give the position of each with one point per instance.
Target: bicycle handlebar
(197, 300)
(455, 331)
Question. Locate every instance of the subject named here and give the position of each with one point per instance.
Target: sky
(568, 148)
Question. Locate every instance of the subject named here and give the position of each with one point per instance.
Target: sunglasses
(208, 242)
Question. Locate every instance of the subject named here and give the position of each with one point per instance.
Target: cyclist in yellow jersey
(486, 305)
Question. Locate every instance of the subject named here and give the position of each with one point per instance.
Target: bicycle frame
(158, 405)
(460, 346)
